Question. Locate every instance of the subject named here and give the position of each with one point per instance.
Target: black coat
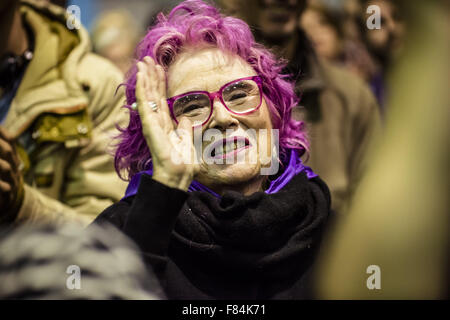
(260, 246)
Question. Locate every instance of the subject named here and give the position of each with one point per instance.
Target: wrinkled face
(237, 148)
(323, 36)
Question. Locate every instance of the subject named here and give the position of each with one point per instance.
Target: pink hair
(195, 23)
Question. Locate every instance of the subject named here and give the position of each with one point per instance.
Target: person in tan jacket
(341, 113)
(58, 114)
(343, 118)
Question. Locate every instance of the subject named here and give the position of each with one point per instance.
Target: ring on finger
(153, 105)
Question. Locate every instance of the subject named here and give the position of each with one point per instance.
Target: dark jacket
(260, 246)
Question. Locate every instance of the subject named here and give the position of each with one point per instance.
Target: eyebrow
(195, 89)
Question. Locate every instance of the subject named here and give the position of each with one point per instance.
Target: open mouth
(228, 147)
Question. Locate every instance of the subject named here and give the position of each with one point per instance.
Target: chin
(229, 175)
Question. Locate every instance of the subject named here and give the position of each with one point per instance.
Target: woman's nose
(221, 118)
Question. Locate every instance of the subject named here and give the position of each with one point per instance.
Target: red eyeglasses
(241, 96)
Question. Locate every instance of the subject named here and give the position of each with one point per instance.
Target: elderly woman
(211, 218)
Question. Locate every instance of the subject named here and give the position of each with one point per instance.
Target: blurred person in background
(324, 28)
(61, 262)
(114, 36)
(341, 112)
(334, 34)
(399, 220)
(382, 45)
(386, 43)
(58, 112)
(163, 7)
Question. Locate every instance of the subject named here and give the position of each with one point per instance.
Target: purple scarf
(294, 167)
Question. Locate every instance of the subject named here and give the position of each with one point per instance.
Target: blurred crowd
(339, 32)
(60, 106)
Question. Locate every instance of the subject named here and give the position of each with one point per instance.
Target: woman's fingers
(148, 122)
(140, 97)
(158, 83)
(162, 92)
(186, 135)
(155, 124)
(155, 79)
(165, 113)
(147, 82)
(140, 85)
(151, 128)
(152, 77)
(185, 129)
(162, 80)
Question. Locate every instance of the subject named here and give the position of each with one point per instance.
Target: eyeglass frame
(212, 96)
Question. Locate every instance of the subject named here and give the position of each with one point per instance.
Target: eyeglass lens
(239, 97)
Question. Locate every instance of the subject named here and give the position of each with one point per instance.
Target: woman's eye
(191, 108)
(238, 95)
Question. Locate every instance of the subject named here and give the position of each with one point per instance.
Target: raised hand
(171, 148)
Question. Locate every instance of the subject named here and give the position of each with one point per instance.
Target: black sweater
(238, 247)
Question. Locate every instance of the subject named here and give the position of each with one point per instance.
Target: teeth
(229, 147)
